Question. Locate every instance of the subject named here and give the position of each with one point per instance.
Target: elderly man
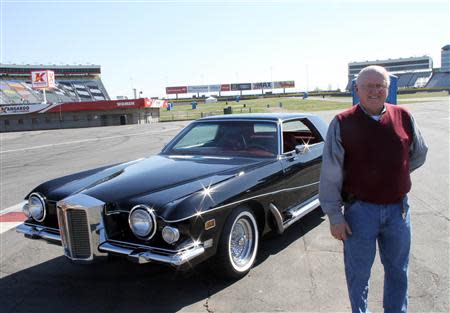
(369, 153)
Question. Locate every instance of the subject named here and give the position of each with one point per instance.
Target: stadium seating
(17, 91)
(404, 79)
(439, 79)
(413, 80)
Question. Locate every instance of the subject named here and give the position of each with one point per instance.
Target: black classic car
(213, 190)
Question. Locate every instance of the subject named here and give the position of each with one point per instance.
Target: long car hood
(167, 178)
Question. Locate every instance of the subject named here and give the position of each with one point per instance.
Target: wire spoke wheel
(241, 242)
(238, 244)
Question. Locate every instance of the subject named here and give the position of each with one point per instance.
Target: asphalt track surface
(300, 271)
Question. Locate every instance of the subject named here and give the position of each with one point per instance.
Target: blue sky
(149, 45)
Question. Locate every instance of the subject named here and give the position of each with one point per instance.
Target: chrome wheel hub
(241, 243)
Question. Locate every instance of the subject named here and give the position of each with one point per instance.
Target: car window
(295, 125)
(261, 128)
(228, 138)
(198, 136)
(299, 132)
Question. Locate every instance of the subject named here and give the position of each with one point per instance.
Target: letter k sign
(39, 77)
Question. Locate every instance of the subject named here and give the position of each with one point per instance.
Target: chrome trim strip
(116, 212)
(176, 259)
(278, 218)
(239, 201)
(139, 246)
(38, 232)
(175, 156)
(302, 209)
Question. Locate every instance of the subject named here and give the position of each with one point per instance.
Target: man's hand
(340, 231)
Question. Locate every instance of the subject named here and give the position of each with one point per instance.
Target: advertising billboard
(262, 85)
(225, 87)
(241, 86)
(230, 87)
(284, 84)
(177, 89)
(214, 88)
(42, 79)
(197, 88)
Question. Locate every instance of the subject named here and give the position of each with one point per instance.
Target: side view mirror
(301, 149)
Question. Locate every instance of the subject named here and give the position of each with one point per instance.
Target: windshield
(227, 138)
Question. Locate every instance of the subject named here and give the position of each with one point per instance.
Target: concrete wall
(39, 121)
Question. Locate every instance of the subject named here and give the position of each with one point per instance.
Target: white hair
(373, 68)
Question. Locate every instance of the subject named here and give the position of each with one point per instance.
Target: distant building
(445, 59)
(23, 117)
(441, 77)
(411, 72)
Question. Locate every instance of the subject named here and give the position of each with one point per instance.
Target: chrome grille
(78, 231)
(81, 227)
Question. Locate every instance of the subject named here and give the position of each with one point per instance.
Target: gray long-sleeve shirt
(332, 172)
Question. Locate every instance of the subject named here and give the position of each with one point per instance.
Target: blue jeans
(389, 225)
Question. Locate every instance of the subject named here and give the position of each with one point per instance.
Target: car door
(302, 147)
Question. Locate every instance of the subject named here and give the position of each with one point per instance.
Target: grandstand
(439, 80)
(74, 83)
(441, 77)
(414, 72)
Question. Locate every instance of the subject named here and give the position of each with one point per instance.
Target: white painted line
(5, 226)
(15, 208)
(86, 140)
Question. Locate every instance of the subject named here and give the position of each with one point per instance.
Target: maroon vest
(376, 163)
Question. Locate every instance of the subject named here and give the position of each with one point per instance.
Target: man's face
(372, 91)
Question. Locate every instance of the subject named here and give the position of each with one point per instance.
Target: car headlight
(142, 222)
(26, 209)
(170, 234)
(36, 207)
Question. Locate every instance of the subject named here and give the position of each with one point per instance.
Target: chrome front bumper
(100, 246)
(38, 232)
(137, 255)
(173, 258)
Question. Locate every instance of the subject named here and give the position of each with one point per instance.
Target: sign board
(174, 90)
(262, 85)
(225, 87)
(214, 88)
(197, 88)
(21, 108)
(241, 86)
(42, 79)
(284, 84)
(230, 87)
(156, 103)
